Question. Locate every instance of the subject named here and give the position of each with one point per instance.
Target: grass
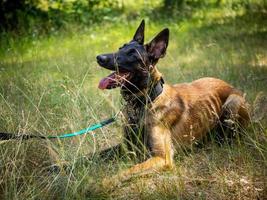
(48, 85)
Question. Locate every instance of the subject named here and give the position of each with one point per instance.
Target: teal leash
(84, 131)
(10, 136)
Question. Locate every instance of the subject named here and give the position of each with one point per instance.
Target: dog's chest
(136, 128)
(133, 112)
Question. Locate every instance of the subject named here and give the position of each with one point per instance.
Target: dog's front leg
(162, 157)
(160, 142)
(153, 164)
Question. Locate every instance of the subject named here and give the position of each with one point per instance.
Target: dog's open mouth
(114, 80)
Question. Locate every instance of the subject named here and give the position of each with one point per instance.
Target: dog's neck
(148, 94)
(136, 106)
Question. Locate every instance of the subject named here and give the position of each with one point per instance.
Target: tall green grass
(48, 85)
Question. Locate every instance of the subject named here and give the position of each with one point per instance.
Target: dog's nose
(102, 59)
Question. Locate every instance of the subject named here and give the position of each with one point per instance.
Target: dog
(162, 117)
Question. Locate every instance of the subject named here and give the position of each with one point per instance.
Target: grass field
(48, 85)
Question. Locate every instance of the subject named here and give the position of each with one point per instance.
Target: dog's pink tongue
(105, 82)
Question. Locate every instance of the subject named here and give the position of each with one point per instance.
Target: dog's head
(134, 61)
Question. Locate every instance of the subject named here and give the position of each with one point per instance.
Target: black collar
(156, 90)
(153, 93)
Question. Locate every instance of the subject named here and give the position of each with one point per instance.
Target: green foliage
(45, 15)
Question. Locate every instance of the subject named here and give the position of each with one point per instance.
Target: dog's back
(191, 110)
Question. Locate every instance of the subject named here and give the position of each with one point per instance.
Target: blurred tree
(172, 4)
(8, 11)
(16, 14)
(14, 11)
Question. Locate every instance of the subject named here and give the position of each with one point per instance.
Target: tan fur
(183, 114)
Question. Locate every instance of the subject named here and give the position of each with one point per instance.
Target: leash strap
(86, 130)
(10, 136)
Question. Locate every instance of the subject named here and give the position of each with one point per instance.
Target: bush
(45, 14)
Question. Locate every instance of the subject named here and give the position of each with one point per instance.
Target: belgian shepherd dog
(163, 117)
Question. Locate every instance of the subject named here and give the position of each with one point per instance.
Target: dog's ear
(140, 33)
(156, 49)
